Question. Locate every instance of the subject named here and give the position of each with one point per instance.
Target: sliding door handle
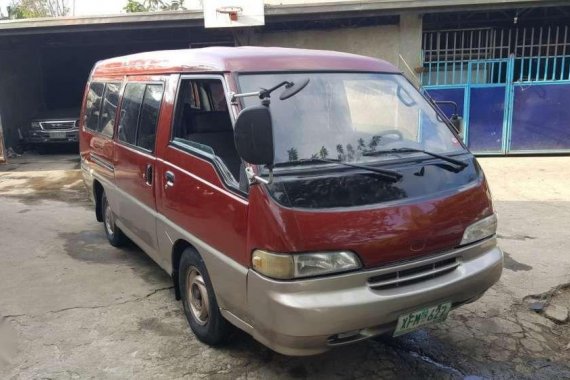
(169, 179)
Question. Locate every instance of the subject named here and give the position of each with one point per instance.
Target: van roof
(238, 59)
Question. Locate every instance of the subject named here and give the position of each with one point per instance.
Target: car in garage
(49, 127)
(312, 199)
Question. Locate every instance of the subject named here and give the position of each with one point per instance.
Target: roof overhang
(274, 13)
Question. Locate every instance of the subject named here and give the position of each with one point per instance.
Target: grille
(413, 275)
(53, 125)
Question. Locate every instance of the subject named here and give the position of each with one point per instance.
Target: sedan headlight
(36, 125)
(480, 230)
(291, 266)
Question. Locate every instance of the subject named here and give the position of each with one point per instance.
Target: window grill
(481, 56)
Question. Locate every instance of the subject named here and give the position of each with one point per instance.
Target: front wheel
(114, 233)
(199, 301)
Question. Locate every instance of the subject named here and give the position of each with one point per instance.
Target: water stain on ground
(37, 198)
(72, 179)
(159, 327)
(64, 186)
(514, 265)
(93, 247)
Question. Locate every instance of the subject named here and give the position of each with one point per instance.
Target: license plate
(57, 135)
(419, 318)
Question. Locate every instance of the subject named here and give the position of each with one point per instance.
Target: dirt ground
(72, 306)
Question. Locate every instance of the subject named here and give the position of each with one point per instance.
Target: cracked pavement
(72, 306)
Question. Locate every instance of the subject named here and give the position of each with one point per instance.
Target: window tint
(130, 110)
(149, 116)
(109, 109)
(93, 105)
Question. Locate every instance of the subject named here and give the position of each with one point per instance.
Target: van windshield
(347, 116)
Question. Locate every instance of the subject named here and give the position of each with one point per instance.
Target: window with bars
(480, 56)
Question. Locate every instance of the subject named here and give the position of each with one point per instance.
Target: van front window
(347, 116)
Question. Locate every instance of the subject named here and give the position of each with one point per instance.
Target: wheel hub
(109, 220)
(197, 296)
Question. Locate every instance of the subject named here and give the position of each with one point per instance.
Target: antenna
(415, 78)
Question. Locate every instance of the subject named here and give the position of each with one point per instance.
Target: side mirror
(254, 136)
(455, 119)
(457, 122)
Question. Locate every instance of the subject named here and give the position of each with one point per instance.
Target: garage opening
(44, 71)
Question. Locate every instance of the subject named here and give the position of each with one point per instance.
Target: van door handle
(148, 174)
(169, 176)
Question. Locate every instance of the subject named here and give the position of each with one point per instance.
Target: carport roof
(288, 12)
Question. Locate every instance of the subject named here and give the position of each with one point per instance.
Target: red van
(310, 198)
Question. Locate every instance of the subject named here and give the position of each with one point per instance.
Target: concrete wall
(20, 90)
(374, 41)
(386, 42)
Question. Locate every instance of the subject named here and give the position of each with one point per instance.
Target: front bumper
(310, 316)
(52, 137)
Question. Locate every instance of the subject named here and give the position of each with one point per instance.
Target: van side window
(93, 106)
(130, 111)
(146, 135)
(139, 114)
(202, 122)
(109, 109)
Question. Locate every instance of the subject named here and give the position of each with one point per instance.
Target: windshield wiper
(460, 164)
(389, 174)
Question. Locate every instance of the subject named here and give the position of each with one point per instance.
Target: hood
(419, 215)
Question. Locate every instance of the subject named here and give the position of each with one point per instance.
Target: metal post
(555, 54)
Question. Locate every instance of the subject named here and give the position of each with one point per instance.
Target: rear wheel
(114, 233)
(199, 301)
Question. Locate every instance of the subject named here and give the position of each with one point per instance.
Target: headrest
(214, 121)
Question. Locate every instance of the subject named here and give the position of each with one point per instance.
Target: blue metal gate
(513, 86)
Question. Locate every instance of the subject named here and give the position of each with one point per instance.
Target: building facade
(506, 64)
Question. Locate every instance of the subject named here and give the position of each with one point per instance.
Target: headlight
(290, 266)
(480, 230)
(36, 125)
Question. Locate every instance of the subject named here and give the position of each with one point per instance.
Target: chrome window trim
(136, 149)
(220, 166)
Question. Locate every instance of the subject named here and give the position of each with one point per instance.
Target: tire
(114, 234)
(199, 301)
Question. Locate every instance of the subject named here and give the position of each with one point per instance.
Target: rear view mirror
(457, 122)
(254, 136)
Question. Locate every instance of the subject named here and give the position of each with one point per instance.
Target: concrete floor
(72, 306)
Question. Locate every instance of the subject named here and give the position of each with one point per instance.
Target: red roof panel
(239, 59)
